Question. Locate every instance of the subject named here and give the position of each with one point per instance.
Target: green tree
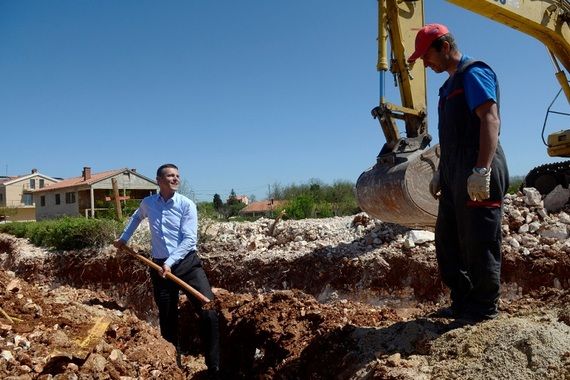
(218, 203)
(232, 198)
(301, 207)
(327, 200)
(233, 206)
(207, 210)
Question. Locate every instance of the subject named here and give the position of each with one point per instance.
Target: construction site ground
(338, 298)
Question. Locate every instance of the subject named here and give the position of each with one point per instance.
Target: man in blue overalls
(472, 177)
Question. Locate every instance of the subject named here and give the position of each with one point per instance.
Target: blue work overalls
(468, 234)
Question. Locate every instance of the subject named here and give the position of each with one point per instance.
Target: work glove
(479, 186)
(434, 185)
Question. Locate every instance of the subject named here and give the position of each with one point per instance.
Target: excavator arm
(394, 189)
(398, 23)
(545, 20)
(549, 22)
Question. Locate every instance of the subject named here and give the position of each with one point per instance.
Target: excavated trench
(280, 315)
(339, 310)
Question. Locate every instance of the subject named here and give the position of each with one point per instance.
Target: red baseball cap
(425, 37)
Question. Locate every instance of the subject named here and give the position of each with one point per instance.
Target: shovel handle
(170, 276)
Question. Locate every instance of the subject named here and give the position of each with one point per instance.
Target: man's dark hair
(165, 166)
(438, 44)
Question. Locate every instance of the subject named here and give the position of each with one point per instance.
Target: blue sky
(239, 94)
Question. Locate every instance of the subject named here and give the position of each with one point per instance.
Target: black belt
(161, 261)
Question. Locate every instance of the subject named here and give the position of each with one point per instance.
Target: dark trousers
(166, 295)
(468, 250)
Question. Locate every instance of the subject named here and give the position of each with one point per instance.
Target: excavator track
(546, 177)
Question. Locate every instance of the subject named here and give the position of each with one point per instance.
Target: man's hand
(165, 270)
(434, 185)
(119, 244)
(479, 186)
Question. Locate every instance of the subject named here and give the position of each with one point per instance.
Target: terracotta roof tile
(80, 181)
(262, 206)
(7, 179)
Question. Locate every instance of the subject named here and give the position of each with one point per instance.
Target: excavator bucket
(396, 190)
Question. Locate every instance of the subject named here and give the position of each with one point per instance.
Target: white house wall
(126, 181)
(51, 210)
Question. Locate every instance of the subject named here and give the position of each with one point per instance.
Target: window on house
(27, 199)
(70, 197)
(32, 183)
(42, 183)
(57, 199)
(43, 200)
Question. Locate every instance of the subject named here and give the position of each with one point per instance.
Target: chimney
(34, 171)
(86, 173)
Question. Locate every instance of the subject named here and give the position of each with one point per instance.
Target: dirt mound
(48, 332)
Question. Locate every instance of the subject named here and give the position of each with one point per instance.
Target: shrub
(17, 229)
(66, 233)
(303, 206)
(515, 184)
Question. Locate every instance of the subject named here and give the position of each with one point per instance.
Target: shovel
(170, 276)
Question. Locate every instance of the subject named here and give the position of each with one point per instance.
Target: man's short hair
(438, 43)
(165, 166)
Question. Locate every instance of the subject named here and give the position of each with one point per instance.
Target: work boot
(473, 318)
(445, 312)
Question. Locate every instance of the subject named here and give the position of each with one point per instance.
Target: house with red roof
(263, 208)
(91, 192)
(16, 195)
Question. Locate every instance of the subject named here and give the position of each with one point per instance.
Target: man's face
(436, 60)
(169, 180)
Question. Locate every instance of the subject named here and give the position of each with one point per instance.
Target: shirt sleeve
(188, 234)
(134, 222)
(480, 86)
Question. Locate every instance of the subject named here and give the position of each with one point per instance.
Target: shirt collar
(161, 199)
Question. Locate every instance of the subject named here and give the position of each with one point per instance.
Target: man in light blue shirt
(173, 222)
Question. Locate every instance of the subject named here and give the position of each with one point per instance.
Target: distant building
(262, 208)
(16, 195)
(240, 198)
(243, 199)
(79, 196)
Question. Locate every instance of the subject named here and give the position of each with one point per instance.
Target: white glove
(479, 186)
(434, 186)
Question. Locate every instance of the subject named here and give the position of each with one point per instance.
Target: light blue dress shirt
(173, 226)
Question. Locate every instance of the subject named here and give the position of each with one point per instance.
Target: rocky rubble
(527, 225)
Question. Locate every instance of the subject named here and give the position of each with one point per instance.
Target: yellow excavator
(395, 189)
